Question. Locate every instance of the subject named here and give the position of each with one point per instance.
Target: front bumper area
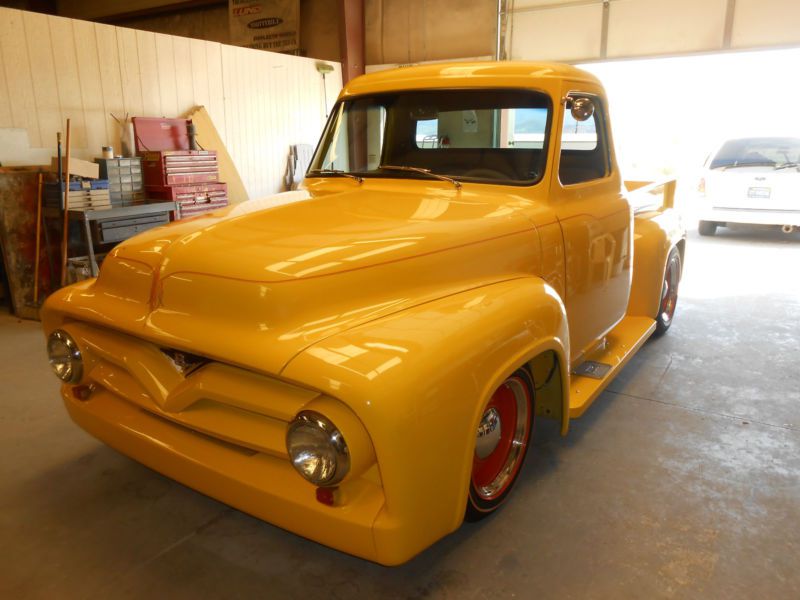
(219, 429)
(259, 484)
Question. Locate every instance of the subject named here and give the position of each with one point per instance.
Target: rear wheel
(501, 444)
(707, 227)
(669, 292)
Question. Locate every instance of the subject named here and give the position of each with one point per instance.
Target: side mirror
(581, 108)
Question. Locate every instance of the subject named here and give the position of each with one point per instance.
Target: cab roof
(466, 74)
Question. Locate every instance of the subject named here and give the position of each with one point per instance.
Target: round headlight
(317, 449)
(65, 356)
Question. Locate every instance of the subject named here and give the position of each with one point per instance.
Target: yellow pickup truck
(361, 361)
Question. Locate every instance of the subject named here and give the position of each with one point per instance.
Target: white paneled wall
(55, 68)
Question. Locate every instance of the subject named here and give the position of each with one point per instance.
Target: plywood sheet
(208, 138)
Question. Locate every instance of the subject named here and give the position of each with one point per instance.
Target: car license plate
(759, 192)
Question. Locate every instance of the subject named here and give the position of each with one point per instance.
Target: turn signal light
(326, 495)
(701, 186)
(82, 392)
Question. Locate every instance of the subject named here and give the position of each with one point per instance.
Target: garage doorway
(671, 115)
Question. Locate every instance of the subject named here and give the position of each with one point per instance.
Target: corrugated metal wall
(54, 68)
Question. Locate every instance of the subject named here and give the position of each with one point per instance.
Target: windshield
(768, 152)
(495, 136)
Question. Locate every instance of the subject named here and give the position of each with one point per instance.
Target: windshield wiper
(787, 165)
(755, 163)
(358, 178)
(421, 170)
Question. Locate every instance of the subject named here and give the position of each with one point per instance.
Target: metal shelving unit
(113, 225)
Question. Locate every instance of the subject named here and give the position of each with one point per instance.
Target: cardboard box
(81, 168)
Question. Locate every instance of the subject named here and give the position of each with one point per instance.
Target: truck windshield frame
(482, 135)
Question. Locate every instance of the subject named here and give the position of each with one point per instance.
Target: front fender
(418, 381)
(655, 234)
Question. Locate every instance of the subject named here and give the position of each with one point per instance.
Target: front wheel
(669, 292)
(501, 444)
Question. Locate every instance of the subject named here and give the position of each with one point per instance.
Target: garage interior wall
(54, 68)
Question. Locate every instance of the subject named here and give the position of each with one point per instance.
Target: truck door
(595, 218)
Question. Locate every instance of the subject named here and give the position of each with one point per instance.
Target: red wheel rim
(492, 474)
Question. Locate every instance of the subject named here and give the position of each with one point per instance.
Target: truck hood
(295, 235)
(257, 283)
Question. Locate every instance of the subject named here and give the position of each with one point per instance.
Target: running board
(592, 376)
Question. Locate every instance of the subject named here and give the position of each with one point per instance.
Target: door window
(584, 148)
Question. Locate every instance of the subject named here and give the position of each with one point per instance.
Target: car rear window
(757, 151)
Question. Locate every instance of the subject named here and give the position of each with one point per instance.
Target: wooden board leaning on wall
(208, 138)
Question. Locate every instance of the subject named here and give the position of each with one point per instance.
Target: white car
(751, 180)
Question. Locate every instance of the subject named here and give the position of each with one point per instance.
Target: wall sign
(265, 24)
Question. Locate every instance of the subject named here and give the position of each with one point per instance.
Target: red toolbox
(192, 199)
(168, 157)
(176, 167)
(152, 134)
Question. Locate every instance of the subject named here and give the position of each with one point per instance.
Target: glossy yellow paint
(618, 346)
(657, 229)
(432, 362)
(595, 220)
(393, 306)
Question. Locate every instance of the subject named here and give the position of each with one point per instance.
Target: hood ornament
(184, 362)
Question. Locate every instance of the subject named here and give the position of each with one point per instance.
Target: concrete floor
(682, 481)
